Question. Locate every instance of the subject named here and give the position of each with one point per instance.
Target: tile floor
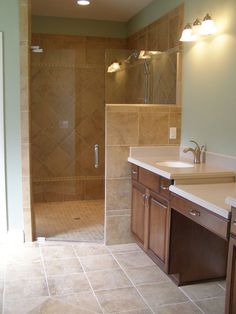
(83, 278)
(70, 221)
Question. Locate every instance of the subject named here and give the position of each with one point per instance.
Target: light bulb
(187, 34)
(208, 26)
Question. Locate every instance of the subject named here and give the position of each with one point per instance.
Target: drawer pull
(144, 199)
(234, 222)
(165, 188)
(193, 212)
(134, 172)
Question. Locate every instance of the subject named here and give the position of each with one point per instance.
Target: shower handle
(96, 155)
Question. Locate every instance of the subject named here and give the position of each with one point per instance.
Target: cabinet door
(138, 212)
(157, 228)
(231, 278)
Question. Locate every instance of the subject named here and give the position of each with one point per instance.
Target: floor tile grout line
(130, 311)
(102, 270)
(59, 296)
(220, 286)
(191, 300)
(130, 252)
(85, 256)
(111, 289)
(176, 303)
(89, 281)
(44, 269)
(208, 299)
(133, 284)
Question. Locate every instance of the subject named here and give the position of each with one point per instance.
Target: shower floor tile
(70, 221)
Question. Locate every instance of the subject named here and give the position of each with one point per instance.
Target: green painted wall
(209, 93)
(9, 25)
(150, 14)
(209, 73)
(82, 27)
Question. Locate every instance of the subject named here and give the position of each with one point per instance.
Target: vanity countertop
(209, 186)
(214, 197)
(198, 171)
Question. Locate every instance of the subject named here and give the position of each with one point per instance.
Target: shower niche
(142, 77)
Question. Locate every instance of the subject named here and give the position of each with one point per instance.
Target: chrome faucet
(197, 151)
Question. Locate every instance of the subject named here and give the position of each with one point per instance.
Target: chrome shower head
(134, 55)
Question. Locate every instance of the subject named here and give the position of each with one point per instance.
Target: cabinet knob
(193, 212)
(134, 172)
(165, 188)
(234, 222)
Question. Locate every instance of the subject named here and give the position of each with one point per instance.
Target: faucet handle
(203, 147)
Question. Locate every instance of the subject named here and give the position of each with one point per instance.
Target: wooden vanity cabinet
(150, 214)
(231, 269)
(198, 242)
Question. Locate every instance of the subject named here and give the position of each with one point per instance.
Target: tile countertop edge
(195, 199)
(230, 201)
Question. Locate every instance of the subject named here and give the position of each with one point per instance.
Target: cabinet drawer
(149, 179)
(233, 222)
(134, 172)
(200, 215)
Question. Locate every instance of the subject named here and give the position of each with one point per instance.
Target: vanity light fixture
(192, 32)
(114, 67)
(83, 2)
(196, 26)
(208, 26)
(187, 34)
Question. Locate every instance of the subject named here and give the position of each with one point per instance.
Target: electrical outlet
(172, 135)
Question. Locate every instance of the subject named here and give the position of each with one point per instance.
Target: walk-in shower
(68, 139)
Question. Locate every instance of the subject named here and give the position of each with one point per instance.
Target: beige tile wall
(68, 116)
(131, 125)
(161, 35)
(25, 37)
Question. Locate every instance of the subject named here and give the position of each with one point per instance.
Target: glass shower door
(67, 123)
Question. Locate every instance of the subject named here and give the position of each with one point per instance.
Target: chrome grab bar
(96, 155)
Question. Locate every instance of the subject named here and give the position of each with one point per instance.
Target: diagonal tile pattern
(68, 116)
(90, 278)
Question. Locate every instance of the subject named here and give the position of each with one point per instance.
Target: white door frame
(3, 201)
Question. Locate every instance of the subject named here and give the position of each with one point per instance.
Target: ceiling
(108, 10)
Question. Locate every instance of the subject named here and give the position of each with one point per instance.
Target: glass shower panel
(68, 120)
(143, 77)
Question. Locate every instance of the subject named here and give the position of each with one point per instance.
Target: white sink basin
(174, 164)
